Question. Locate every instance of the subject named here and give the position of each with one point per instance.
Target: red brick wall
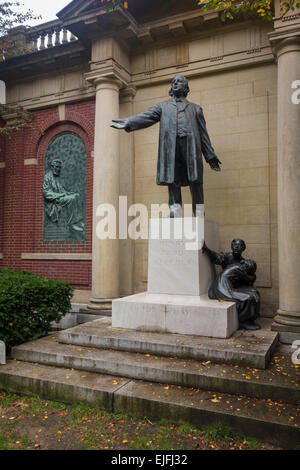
(22, 203)
(2, 170)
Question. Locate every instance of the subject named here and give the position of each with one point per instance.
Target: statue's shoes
(250, 326)
(175, 210)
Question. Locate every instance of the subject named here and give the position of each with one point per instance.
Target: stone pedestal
(176, 265)
(179, 275)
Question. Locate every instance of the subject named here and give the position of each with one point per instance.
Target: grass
(31, 423)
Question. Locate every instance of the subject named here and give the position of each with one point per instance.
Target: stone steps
(273, 422)
(253, 349)
(279, 382)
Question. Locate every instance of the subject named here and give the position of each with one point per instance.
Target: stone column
(287, 320)
(105, 257)
(127, 172)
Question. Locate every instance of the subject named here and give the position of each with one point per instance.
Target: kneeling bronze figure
(235, 283)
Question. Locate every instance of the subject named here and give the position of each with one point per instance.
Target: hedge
(28, 304)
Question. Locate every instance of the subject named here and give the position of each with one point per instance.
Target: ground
(30, 423)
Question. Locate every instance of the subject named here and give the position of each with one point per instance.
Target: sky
(46, 8)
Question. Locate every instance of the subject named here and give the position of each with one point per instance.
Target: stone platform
(120, 376)
(245, 348)
(187, 315)
(179, 276)
(258, 418)
(184, 378)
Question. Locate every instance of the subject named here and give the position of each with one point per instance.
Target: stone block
(174, 265)
(254, 177)
(2, 353)
(254, 140)
(223, 94)
(175, 314)
(253, 106)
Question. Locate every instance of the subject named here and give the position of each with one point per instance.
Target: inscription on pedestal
(174, 268)
(173, 254)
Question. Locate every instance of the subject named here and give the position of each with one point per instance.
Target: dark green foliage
(28, 304)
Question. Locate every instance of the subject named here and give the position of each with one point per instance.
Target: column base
(288, 319)
(288, 326)
(98, 307)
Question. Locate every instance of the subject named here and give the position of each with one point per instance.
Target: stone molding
(30, 161)
(57, 256)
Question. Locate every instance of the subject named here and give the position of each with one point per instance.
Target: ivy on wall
(20, 119)
(263, 8)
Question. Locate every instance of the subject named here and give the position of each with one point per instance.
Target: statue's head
(180, 86)
(249, 266)
(56, 166)
(238, 246)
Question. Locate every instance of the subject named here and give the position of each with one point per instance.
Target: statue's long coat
(198, 141)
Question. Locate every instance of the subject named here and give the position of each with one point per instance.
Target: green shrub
(28, 304)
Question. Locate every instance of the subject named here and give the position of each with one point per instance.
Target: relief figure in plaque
(64, 212)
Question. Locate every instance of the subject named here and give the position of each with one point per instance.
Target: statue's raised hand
(119, 123)
(215, 164)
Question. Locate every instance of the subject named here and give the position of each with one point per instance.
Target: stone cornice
(197, 68)
(35, 63)
(206, 66)
(86, 25)
(72, 96)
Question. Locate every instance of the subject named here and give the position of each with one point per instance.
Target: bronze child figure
(235, 283)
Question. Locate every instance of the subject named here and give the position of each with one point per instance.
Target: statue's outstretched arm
(216, 258)
(139, 121)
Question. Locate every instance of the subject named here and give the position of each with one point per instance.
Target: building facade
(115, 64)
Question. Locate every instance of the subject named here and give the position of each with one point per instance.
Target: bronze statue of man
(182, 141)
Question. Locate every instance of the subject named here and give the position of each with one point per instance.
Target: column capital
(127, 94)
(101, 81)
(282, 44)
(108, 70)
